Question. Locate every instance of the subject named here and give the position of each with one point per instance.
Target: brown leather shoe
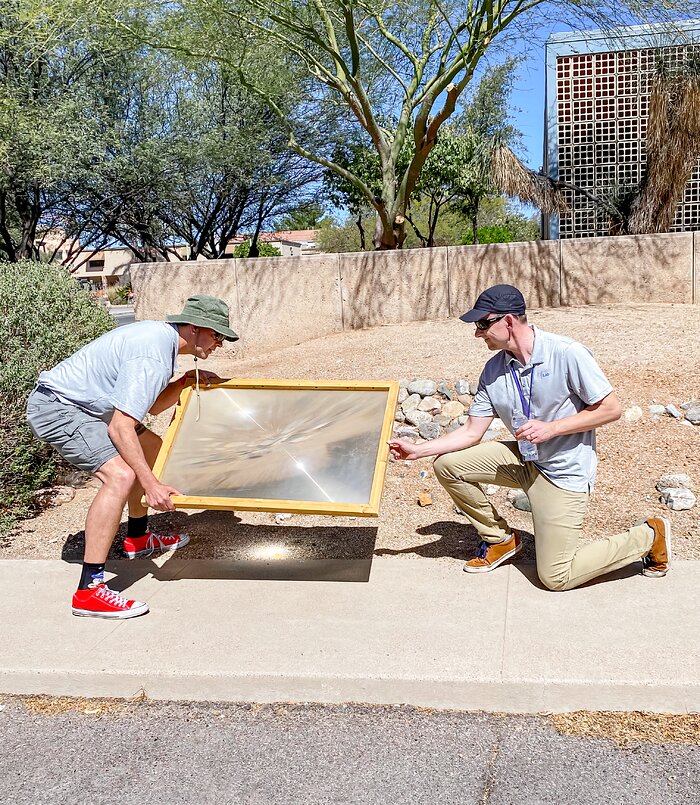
(490, 556)
(658, 560)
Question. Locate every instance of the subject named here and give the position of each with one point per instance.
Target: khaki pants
(557, 515)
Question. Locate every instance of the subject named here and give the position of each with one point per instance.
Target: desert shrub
(119, 294)
(44, 317)
(265, 249)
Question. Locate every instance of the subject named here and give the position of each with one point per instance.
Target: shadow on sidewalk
(226, 548)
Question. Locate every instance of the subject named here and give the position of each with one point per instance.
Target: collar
(537, 356)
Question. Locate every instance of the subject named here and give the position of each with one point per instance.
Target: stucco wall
(279, 301)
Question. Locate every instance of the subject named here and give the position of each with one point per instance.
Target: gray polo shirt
(560, 379)
(124, 369)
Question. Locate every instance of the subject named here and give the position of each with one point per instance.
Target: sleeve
(583, 375)
(481, 404)
(139, 383)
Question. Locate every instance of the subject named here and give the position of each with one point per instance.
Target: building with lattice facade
(597, 105)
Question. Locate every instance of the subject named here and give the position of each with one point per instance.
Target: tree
(403, 59)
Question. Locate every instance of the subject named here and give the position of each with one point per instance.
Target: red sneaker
(101, 602)
(150, 541)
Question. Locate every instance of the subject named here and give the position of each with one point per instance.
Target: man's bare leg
(150, 444)
(106, 510)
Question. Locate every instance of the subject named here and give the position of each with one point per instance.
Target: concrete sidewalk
(387, 630)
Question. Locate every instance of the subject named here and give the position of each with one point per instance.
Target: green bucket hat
(206, 311)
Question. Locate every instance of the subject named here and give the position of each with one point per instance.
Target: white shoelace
(111, 597)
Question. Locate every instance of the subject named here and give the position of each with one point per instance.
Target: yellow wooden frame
(370, 509)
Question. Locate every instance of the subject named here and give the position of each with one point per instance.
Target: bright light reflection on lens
(271, 552)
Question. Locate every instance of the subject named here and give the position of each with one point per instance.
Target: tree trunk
(363, 242)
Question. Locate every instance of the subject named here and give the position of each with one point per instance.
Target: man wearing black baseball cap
(90, 407)
(551, 394)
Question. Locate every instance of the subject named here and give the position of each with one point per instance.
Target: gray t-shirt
(560, 379)
(125, 369)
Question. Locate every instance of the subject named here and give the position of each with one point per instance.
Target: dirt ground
(651, 353)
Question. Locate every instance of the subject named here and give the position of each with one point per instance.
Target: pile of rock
(428, 408)
(688, 413)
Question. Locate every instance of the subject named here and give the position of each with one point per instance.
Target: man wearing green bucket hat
(90, 407)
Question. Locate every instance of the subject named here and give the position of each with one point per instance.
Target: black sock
(91, 574)
(137, 526)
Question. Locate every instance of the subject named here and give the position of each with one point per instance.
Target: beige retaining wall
(278, 301)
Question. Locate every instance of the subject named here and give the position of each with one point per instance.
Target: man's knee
(117, 476)
(554, 579)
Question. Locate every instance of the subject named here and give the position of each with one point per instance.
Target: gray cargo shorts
(80, 438)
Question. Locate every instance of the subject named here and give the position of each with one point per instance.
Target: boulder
(418, 418)
(462, 387)
(692, 414)
(519, 500)
(430, 404)
(410, 403)
(674, 480)
(678, 499)
(633, 414)
(403, 395)
(444, 389)
(425, 388)
(429, 430)
(453, 409)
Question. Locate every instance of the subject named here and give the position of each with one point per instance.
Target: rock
(689, 404)
(403, 383)
(431, 404)
(497, 424)
(657, 410)
(473, 388)
(519, 500)
(74, 478)
(633, 413)
(399, 416)
(423, 474)
(425, 388)
(465, 399)
(403, 395)
(418, 418)
(54, 495)
(674, 480)
(453, 409)
(453, 426)
(444, 389)
(406, 432)
(281, 517)
(429, 430)
(692, 414)
(671, 410)
(442, 420)
(490, 435)
(462, 387)
(685, 422)
(490, 489)
(678, 499)
(462, 420)
(410, 403)
(425, 499)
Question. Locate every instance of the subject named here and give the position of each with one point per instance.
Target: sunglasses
(218, 337)
(484, 324)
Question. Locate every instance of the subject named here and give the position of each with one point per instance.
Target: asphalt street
(201, 753)
(124, 314)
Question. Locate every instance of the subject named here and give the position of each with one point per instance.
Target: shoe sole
(658, 574)
(162, 549)
(129, 613)
(494, 565)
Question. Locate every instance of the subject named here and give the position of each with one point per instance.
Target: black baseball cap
(497, 299)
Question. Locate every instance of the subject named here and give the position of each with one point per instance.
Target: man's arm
(171, 393)
(122, 432)
(593, 416)
(468, 435)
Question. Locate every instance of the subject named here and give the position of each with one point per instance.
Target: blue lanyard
(526, 405)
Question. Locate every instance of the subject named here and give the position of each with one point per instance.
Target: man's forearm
(459, 439)
(168, 397)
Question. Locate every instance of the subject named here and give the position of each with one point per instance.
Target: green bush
(44, 317)
(119, 294)
(265, 249)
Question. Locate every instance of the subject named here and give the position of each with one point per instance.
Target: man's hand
(403, 449)
(536, 432)
(205, 378)
(158, 496)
